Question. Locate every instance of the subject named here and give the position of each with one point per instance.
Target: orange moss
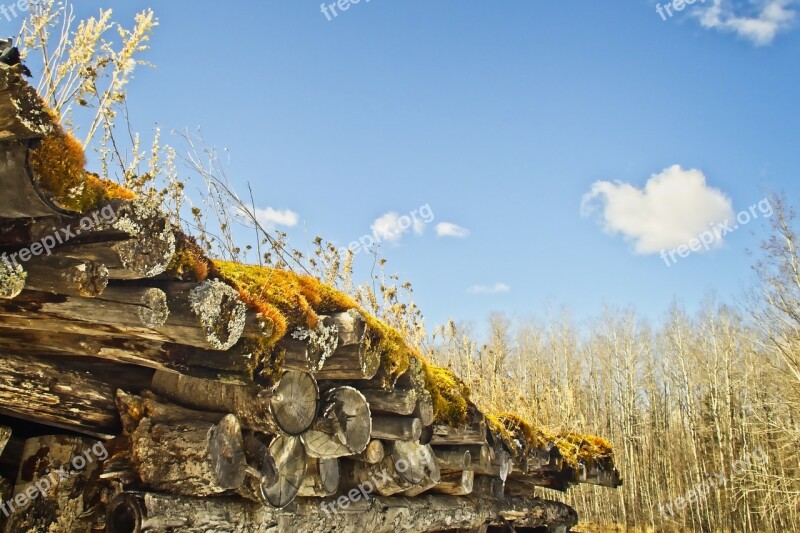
(59, 165)
(586, 449)
(189, 262)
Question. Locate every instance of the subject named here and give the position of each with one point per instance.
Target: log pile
(104, 348)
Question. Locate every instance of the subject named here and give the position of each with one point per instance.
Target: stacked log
(99, 341)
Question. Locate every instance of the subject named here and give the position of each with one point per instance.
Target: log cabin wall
(102, 349)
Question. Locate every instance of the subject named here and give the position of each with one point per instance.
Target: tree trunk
(58, 275)
(290, 407)
(399, 402)
(396, 428)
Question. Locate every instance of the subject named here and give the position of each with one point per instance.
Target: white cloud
(497, 288)
(674, 207)
(391, 227)
(448, 229)
(270, 217)
(759, 24)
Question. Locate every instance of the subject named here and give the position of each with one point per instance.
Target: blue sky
(501, 117)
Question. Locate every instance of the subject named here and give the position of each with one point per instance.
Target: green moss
(449, 393)
(587, 449)
(59, 165)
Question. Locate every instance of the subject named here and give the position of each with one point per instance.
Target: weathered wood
(322, 478)
(343, 427)
(51, 492)
(397, 401)
(407, 466)
(150, 354)
(12, 279)
(22, 112)
(158, 513)
(431, 474)
(456, 483)
(396, 428)
(488, 487)
(290, 464)
(289, 407)
(20, 198)
(189, 458)
(308, 349)
(133, 408)
(5, 436)
(63, 393)
(499, 466)
(71, 277)
(351, 363)
(452, 459)
(134, 239)
(467, 435)
(374, 453)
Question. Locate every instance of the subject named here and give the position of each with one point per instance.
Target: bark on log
(396, 428)
(53, 481)
(12, 280)
(322, 478)
(289, 407)
(499, 466)
(157, 513)
(5, 436)
(344, 427)
(58, 275)
(488, 487)
(456, 483)
(189, 458)
(133, 409)
(65, 394)
(398, 401)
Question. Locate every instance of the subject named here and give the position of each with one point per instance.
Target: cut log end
(154, 311)
(221, 312)
(294, 402)
(290, 463)
(12, 279)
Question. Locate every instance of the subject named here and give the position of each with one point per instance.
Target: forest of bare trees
(702, 407)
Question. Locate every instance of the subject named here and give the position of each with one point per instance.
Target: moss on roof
(59, 166)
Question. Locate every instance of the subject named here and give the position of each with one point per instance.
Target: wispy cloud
(758, 21)
(391, 227)
(270, 217)
(673, 207)
(448, 229)
(497, 288)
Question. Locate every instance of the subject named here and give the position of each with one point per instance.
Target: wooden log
(63, 393)
(474, 434)
(408, 465)
(452, 459)
(134, 408)
(189, 458)
(499, 466)
(156, 355)
(262, 472)
(58, 275)
(51, 492)
(132, 310)
(396, 428)
(343, 428)
(307, 349)
(158, 513)
(397, 401)
(134, 239)
(211, 315)
(431, 474)
(488, 487)
(373, 454)
(455, 483)
(322, 478)
(22, 113)
(290, 464)
(12, 280)
(290, 407)
(424, 408)
(5, 436)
